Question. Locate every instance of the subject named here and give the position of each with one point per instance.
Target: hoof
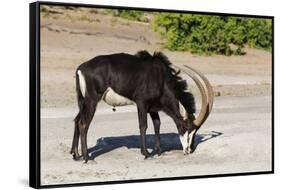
(157, 151)
(76, 157)
(147, 156)
(85, 159)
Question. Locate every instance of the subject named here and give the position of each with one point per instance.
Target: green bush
(129, 14)
(204, 34)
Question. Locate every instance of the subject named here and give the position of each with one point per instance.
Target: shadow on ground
(169, 141)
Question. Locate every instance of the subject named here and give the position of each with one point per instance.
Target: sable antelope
(150, 82)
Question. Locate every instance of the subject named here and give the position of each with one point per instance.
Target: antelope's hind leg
(85, 121)
(75, 141)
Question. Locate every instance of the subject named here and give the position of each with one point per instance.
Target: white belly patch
(114, 99)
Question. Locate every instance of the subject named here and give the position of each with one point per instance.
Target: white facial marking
(184, 141)
(82, 83)
(114, 99)
(190, 137)
(182, 111)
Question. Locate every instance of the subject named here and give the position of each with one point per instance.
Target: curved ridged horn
(204, 105)
(209, 90)
(208, 85)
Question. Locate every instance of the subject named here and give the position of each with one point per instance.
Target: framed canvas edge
(34, 96)
(157, 179)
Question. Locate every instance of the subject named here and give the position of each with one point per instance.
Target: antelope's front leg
(142, 115)
(156, 123)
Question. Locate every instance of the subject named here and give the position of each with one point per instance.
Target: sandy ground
(235, 138)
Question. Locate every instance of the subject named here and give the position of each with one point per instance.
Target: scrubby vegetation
(129, 15)
(204, 34)
(200, 34)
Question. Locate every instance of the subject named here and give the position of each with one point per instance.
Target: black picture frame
(34, 91)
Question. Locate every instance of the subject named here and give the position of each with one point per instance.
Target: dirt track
(236, 137)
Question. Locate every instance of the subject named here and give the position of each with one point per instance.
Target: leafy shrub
(44, 11)
(129, 14)
(204, 34)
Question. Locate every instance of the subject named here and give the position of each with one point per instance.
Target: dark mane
(143, 54)
(178, 84)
